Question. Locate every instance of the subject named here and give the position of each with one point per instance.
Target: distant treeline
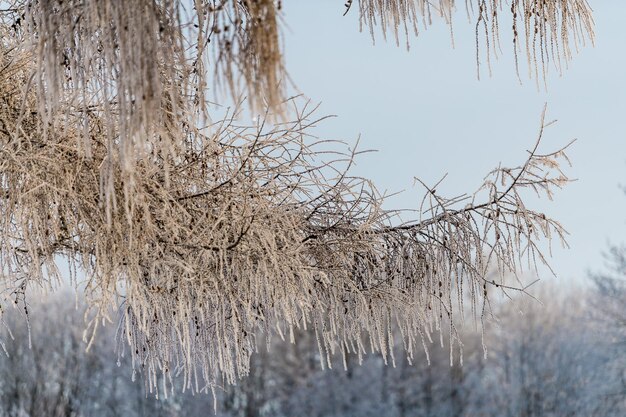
(563, 358)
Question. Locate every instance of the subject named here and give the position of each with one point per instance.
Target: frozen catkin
(199, 234)
(147, 65)
(543, 32)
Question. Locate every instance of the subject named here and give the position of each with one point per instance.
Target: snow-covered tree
(610, 313)
(198, 232)
(548, 360)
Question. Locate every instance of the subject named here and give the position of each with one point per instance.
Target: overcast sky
(428, 115)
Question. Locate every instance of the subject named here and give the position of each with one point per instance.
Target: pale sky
(428, 115)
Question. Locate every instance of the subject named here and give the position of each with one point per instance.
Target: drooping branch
(244, 229)
(145, 67)
(547, 31)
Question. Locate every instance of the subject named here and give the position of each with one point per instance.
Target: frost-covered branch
(243, 229)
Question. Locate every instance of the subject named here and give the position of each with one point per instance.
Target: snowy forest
(563, 358)
(185, 232)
